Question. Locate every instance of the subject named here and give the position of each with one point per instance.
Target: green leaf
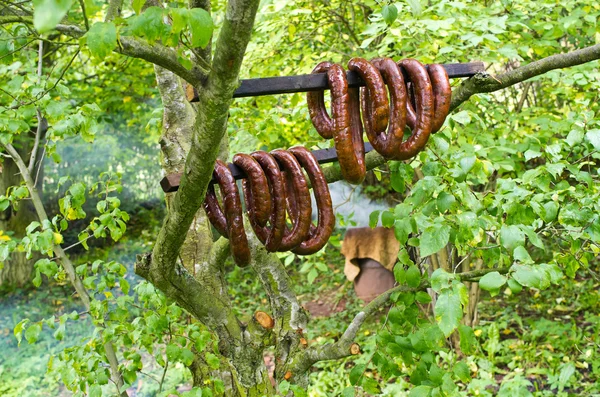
(511, 237)
(48, 13)
(312, 275)
(212, 360)
(124, 286)
(531, 276)
(567, 371)
(18, 331)
(520, 254)
(445, 201)
(387, 219)
(102, 39)
(433, 239)
(284, 387)
(374, 218)
(348, 392)
(137, 5)
(201, 25)
(462, 371)
(95, 391)
(440, 279)
(468, 341)
(413, 276)
(448, 311)
(594, 137)
(389, 13)
(420, 391)
(356, 373)
(422, 297)
(461, 117)
(492, 282)
(514, 286)
(33, 332)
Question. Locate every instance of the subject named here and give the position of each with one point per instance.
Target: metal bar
(170, 183)
(304, 83)
(318, 81)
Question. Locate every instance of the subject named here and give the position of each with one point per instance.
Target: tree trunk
(17, 269)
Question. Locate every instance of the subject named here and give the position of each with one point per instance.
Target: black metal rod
(170, 183)
(305, 83)
(318, 81)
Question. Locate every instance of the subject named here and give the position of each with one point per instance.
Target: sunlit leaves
(389, 13)
(492, 282)
(102, 38)
(433, 239)
(48, 13)
(193, 26)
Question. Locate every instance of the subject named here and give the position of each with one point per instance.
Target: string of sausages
(275, 189)
(276, 195)
(418, 97)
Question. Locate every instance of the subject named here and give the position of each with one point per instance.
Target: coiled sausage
(319, 235)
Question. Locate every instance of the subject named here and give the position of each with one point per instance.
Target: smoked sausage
(319, 235)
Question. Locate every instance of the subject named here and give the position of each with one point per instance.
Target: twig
(85, 18)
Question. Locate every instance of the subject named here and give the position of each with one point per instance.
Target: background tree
(471, 212)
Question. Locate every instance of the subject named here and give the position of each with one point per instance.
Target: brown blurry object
(370, 257)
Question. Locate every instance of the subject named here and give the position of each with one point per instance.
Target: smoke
(350, 204)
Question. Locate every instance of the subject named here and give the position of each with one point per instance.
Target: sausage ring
(390, 144)
(319, 235)
(442, 95)
(374, 93)
(345, 106)
(234, 227)
(272, 235)
(298, 200)
(424, 109)
(316, 106)
(255, 187)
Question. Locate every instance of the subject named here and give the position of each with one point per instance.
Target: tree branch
(210, 126)
(113, 10)
(341, 348)
(132, 47)
(483, 83)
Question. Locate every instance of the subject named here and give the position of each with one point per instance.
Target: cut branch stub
(354, 349)
(264, 320)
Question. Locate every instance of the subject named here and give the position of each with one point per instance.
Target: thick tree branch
(482, 83)
(215, 100)
(342, 348)
(290, 318)
(64, 260)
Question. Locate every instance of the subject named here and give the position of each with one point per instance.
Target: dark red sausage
(345, 106)
(374, 92)
(424, 109)
(317, 237)
(232, 205)
(271, 235)
(214, 212)
(389, 145)
(298, 201)
(442, 95)
(256, 188)
(316, 106)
